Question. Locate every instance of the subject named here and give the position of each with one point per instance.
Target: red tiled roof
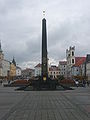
(38, 65)
(79, 61)
(63, 62)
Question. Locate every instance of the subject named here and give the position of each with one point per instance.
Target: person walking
(88, 83)
(84, 83)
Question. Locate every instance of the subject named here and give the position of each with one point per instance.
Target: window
(51, 76)
(72, 53)
(72, 60)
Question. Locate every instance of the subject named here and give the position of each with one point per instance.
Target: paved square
(45, 105)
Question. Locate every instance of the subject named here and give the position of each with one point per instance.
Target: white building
(38, 70)
(54, 72)
(63, 68)
(18, 71)
(4, 65)
(5, 68)
(70, 56)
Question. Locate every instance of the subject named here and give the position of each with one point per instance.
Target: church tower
(70, 56)
(1, 53)
(13, 68)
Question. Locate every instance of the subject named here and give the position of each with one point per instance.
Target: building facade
(63, 68)
(77, 69)
(87, 67)
(88, 71)
(54, 72)
(6, 68)
(28, 73)
(4, 65)
(38, 70)
(13, 68)
(18, 71)
(1, 60)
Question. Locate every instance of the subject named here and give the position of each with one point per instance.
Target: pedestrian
(8, 81)
(88, 83)
(84, 83)
(1, 81)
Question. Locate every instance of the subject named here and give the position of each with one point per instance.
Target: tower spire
(0, 47)
(13, 61)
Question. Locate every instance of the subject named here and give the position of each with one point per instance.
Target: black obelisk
(44, 52)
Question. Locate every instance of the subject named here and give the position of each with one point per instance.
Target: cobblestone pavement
(45, 105)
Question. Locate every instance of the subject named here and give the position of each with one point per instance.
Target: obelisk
(44, 50)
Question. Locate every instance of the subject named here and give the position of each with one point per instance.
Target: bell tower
(1, 53)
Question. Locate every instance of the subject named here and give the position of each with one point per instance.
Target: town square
(44, 60)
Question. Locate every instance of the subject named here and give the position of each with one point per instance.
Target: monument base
(39, 85)
(44, 85)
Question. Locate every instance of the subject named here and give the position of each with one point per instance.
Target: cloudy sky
(68, 24)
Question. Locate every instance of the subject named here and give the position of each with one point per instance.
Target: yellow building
(13, 68)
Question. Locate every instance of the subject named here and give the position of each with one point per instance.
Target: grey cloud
(68, 23)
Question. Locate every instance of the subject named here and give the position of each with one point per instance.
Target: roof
(17, 67)
(38, 65)
(62, 62)
(27, 69)
(53, 68)
(13, 61)
(79, 61)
